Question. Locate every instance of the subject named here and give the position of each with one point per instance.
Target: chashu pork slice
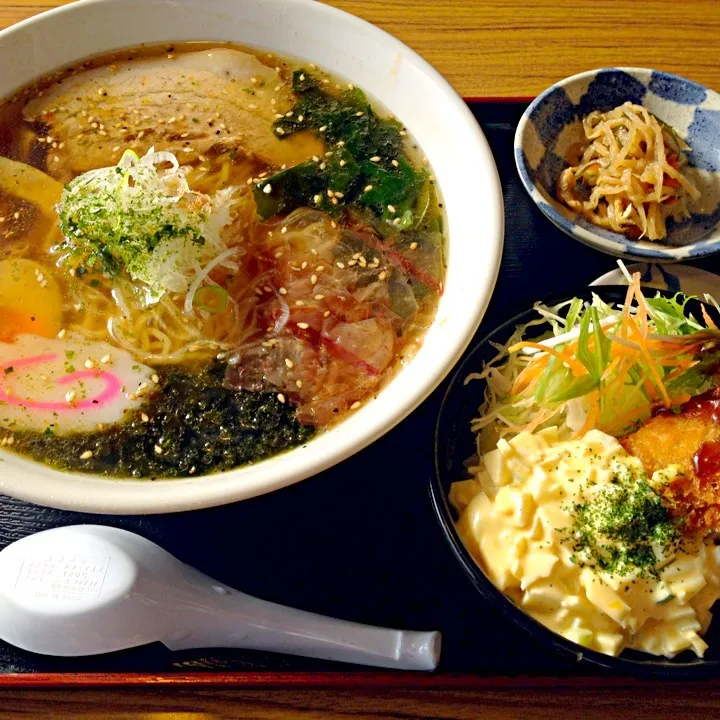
(190, 104)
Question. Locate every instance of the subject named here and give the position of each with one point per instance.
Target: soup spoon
(91, 589)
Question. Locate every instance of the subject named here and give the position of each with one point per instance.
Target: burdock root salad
(595, 494)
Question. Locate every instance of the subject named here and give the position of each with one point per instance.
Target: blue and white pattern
(552, 124)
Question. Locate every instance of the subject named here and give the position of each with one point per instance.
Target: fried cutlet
(689, 438)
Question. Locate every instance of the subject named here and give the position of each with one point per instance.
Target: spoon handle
(231, 619)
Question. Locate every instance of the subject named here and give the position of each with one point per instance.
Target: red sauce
(706, 460)
(707, 405)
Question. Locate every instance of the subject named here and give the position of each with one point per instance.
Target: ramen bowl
(455, 446)
(403, 84)
(551, 125)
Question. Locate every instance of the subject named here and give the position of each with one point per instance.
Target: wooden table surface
(486, 48)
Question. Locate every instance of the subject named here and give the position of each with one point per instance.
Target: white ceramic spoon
(91, 589)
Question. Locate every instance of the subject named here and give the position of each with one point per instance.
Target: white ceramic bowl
(407, 86)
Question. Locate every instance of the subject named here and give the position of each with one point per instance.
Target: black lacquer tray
(359, 541)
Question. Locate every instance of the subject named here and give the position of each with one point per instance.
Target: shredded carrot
(529, 373)
(639, 338)
(590, 420)
(708, 320)
(576, 366)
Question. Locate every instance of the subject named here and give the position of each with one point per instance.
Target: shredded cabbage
(596, 366)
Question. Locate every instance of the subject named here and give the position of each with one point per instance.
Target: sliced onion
(282, 321)
(200, 277)
(155, 158)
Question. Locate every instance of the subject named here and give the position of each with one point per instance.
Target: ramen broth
(207, 255)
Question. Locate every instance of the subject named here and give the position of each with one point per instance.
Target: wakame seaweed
(194, 426)
(368, 167)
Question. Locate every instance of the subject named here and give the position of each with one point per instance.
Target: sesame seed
(339, 194)
(289, 363)
(334, 201)
(413, 246)
(16, 215)
(395, 163)
(355, 405)
(155, 378)
(382, 275)
(89, 364)
(317, 199)
(105, 359)
(267, 189)
(298, 384)
(391, 208)
(368, 188)
(340, 265)
(158, 450)
(86, 455)
(322, 165)
(396, 221)
(313, 279)
(281, 397)
(301, 118)
(330, 193)
(299, 303)
(326, 313)
(333, 224)
(319, 296)
(303, 325)
(304, 264)
(351, 86)
(316, 158)
(279, 253)
(375, 158)
(144, 418)
(352, 262)
(282, 291)
(283, 230)
(70, 396)
(279, 131)
(322, 128)
(359, 114)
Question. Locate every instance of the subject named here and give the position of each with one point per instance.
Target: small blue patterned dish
(552, 125)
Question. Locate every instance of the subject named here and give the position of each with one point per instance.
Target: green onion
(211, 298)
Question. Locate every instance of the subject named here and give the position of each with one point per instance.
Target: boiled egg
(30, 300)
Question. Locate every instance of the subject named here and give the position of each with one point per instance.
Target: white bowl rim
(88, 493)
(623, 247)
